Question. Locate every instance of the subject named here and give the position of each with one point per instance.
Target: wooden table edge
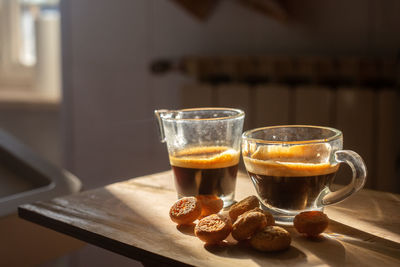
(144, 256)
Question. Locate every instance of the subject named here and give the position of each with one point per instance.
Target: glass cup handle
(157, 114)
(359, 170)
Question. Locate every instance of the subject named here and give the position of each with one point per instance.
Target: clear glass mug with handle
(292, 168)
(204, 149)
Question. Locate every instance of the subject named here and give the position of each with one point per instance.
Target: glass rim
(337, 134)
(239, 113)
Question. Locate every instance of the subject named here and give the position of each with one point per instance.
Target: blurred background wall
(110, 94)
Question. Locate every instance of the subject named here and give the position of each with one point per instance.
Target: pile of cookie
(244, 221)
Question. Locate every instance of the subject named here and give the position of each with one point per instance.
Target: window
(20, 22)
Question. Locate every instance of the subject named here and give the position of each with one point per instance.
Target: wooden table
(131, 218)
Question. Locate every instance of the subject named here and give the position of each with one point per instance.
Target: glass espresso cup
(292, 168)
(204, 149)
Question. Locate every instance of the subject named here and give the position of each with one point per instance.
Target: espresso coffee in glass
(204, 149)
(293, 167)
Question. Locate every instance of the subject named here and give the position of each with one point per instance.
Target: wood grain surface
(131, 218)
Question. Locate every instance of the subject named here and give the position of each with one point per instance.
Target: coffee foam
(288, 169)
(286, 161)
(205, 157)
(309, 152)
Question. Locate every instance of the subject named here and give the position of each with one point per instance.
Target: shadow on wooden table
(186, 229)
(328, 250)
(243, 250)
(370, 211)
(369, 242)
(340, 245)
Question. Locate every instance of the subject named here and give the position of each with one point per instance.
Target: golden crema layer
(288, 169)
(293, 153)
(205, 157)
